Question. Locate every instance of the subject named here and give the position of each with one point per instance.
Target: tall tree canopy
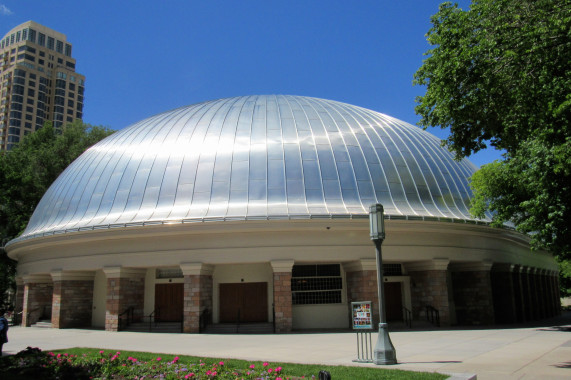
(28, 170)
(499, 74)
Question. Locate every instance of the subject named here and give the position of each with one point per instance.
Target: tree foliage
(499, 74)
(28, 170)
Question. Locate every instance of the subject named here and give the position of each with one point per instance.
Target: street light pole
(384, 352)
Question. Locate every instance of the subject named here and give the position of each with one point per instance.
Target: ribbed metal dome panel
(255, 157)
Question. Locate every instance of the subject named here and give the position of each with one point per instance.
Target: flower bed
(34, 363)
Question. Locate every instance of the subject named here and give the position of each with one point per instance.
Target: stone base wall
(197, 298)
(19, 303)
(473, 297)
(37, 302)
(362, 286)
(430, 287)
(283, 302)
(72, 304)
(123, 293)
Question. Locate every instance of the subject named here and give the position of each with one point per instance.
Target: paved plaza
(532, 352)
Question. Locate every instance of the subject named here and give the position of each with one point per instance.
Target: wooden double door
(244, 301)
(169, 302)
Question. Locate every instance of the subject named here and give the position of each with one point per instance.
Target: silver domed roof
(256, 157)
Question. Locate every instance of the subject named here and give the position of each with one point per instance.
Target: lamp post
(384, 352)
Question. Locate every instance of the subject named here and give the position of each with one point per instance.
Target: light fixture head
(377, 222)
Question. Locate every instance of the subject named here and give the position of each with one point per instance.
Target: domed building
(255, 209)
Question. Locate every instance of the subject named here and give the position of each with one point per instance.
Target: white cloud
(4, 10)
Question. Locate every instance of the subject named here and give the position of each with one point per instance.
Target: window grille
(392, 269)
(316, 284)
(169, 273)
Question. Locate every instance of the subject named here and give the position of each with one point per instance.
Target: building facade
(38, 82)
(255, 209)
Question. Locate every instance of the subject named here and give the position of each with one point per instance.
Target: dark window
(60, 61)
(51, 43)
(68, 50)
(42, 54)
(70, 103)
(72, 86)
(33, 76)
(316, 284)
(31, 92)
(59, 46)
(30, 58)
(69, 64)
(41, 39)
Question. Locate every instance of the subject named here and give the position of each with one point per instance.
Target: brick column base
(125, 289)
(72, 303)
(282, 302)
(473, 297)
(19, 302)
(197, 299)
(37, 300)
(198, 291)
(362, 286)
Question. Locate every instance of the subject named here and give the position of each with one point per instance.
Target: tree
(499, 74)
(28, 170)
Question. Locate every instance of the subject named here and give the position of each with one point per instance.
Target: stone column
(19, 301)
(473, 296)
(431, 285)
(555, 292)
(198, 291)
(534, 289)
(518, 294)
(283, 313)
(125, 289)
(72, 302)
(362, 284)
(527, 293)
(37, 300)
(504, 295)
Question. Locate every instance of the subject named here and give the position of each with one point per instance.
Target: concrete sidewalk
(539, 352)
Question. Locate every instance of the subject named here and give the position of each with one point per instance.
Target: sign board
(362, 315)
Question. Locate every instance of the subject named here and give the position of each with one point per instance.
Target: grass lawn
(92, 363)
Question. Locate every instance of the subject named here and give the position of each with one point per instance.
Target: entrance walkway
(538, 352)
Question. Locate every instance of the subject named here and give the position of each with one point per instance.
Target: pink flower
(279, 378)
(159, 359)
(175, 359)
(221, 363)
(201, 363)
(278, 369)
(101, 351)
(208, 372)
(252, 366)
(266, 364)
(189, 375)
(270, 370)
(58, 356)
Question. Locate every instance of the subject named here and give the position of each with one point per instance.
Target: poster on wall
(362, 316)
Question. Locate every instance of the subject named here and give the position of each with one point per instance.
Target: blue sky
(144, 57)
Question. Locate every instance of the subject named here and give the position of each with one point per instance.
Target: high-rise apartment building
(38, 82)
